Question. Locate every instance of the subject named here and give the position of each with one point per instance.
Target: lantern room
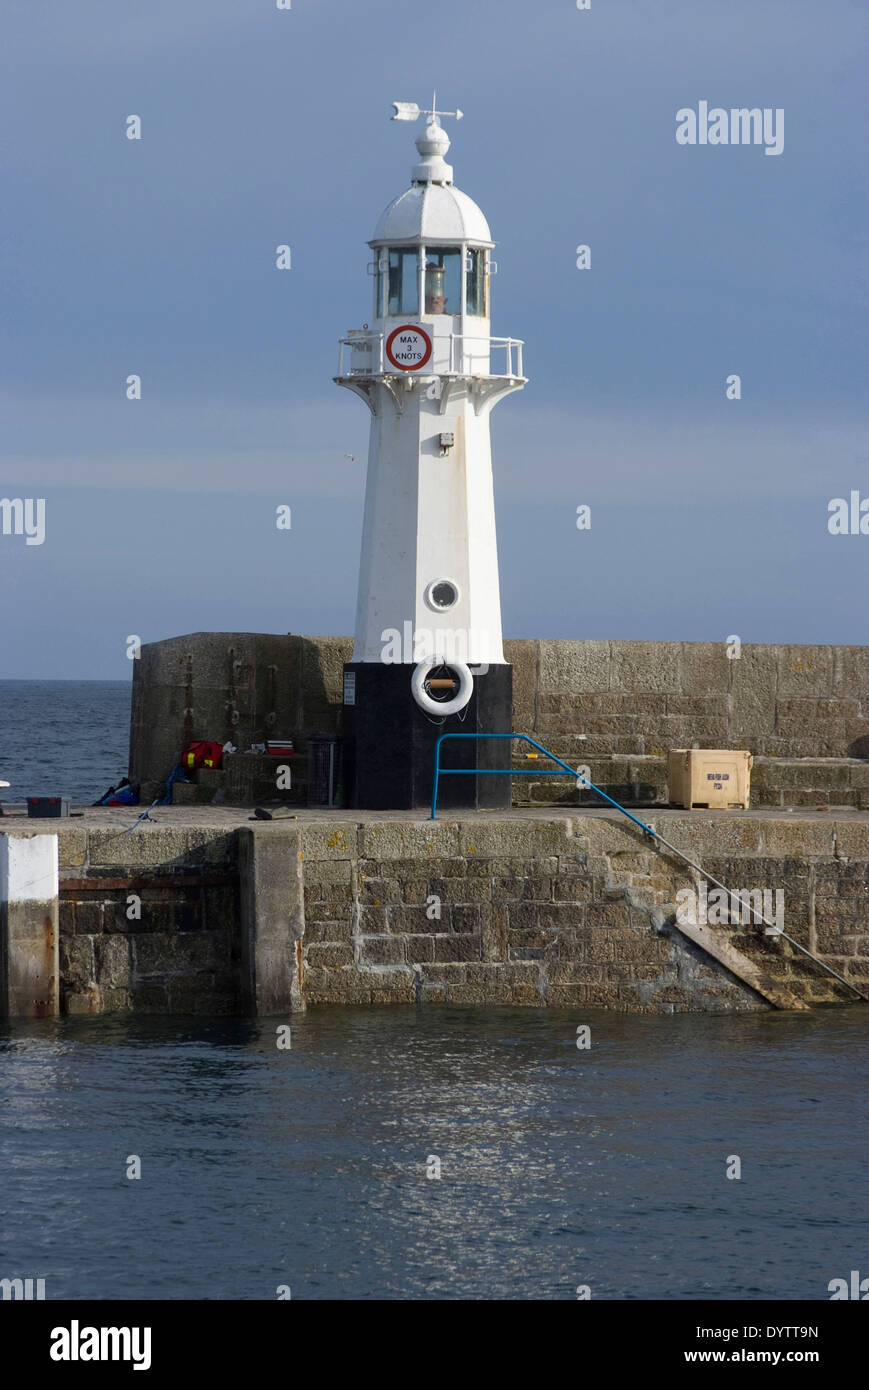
(432, 245)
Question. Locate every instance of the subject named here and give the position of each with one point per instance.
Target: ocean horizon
(63, 738)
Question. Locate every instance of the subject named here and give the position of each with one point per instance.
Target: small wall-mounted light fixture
(446, 440)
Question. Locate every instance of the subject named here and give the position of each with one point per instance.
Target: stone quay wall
(617, 707)
(579, 911)
(562, 911)
(151, 923)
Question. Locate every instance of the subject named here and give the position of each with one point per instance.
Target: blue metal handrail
(654, 835)
(520, 772)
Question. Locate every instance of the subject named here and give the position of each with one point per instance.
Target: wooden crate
(709, 778)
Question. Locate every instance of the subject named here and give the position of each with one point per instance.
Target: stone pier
(29, 926)
(202, 910)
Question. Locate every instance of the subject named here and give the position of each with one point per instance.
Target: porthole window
(441, 594)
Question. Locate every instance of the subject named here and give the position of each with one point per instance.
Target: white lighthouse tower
(428, 656)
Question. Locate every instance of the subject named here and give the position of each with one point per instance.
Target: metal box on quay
(47, 807)
(709, 778)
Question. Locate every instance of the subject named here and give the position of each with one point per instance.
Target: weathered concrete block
(111, 956)
(72, 848)
(567, 996)
(327, 840)
(87, 1002)
(444, 974)
(754, 688)
(164, 953)
(576, 667)
(852, 839)
(114, 1001)
(29, 926)
(375, 921)
(852, 672)
(150, 997)
(383, 950)
(420, 949)
(327, 899)
(272, 921)
(465, 947)
(494, 933)
(343, 987)
(506, 839)
(566, 971)
(522, 656)
(805, 671)
(393, 987)
(465, 917)
(327, 931)
(156, 844)
(638, 666)
(77, 963)
(433, 994)
(330, 954)
(797, 838)
(81, 918)
(415, 919)
(705, 670)
(404, 840)
(375, 892)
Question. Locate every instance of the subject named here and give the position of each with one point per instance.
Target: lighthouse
(428, 657)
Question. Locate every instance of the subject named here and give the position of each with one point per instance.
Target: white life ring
(441, 707)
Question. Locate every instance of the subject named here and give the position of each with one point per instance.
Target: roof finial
(409, 111)
(432, 143)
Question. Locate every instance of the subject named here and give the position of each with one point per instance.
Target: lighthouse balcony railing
(366, 355)
(469, 355)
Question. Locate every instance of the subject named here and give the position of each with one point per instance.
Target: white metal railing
(459, 352)
(369, 343)
(465, 357)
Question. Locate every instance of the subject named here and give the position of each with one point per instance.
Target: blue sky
(261, 127)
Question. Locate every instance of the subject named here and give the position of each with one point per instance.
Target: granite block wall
(615, 706)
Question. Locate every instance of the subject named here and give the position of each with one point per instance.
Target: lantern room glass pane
(403, 281)
(475, 283)
(443, 280)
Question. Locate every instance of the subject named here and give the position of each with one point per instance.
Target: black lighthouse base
(389, 742)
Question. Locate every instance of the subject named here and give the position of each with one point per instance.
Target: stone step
(641, 779)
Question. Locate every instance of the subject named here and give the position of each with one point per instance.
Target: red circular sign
(408, 347)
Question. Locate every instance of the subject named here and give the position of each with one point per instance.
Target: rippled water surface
(63, 738)
(559, 1167)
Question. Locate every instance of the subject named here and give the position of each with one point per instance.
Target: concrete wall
(633, 701)
(648, 697)
(572, 911)
(564, 911)
(175, 948)
(238, 687)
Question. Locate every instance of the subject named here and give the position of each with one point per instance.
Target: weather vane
(409, 111)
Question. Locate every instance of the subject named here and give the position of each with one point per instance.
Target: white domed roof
(432, 212)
